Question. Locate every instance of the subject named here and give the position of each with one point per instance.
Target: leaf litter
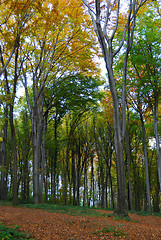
(45, 225)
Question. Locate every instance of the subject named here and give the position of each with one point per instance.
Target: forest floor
(101, 224)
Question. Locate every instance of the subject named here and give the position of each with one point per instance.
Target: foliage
(13, 233)
(56, 64)
(113, 230)
(71, 210)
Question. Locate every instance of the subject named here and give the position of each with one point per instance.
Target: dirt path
(47, 225)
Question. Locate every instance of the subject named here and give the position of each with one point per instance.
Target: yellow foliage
(59, 30)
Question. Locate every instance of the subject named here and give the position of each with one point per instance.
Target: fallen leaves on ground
(45, 225)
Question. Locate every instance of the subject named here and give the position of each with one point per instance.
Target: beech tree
(107, 20)
(14, 19)
(144, 63)
(49, 52)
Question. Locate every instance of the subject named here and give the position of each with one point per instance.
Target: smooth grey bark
(155, 120)
(25, 147)
(146, 165)
(73, 176)
(3, 180)
(92, 181)
(153, 104)
(43, 158)
(37, 128)
(13, 133)
(56, 122)
(78, 175)
(11, 106)
(108, 54)
(85, 191)
(128, 150)
(36, 112)
(65, 178)
(138, 107)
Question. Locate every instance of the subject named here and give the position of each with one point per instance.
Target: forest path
(45, 225)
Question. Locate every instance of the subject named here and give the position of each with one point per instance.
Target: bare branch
(117, 20)
(6, 64)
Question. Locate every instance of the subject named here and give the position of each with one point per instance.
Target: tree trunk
(43, 159)
(64, 183)
(102, 183)
(128, 150)
(106, 41)
(155, 120)
(35, 163)
(78, 174)
(85, 192)
(92, 182)
(73, 177)
(106, 187)
(156, 199)
(55, 160)
(146, 165)
(37, 128)
(118, 142)
(13, 134)
(3, 181)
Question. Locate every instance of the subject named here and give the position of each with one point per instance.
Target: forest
(68, 134)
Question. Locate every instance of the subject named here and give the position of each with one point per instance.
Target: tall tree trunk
(64, 182)
(106, 187)
(128, 150)
(73, 177)
(78, 174)
(106, 41)
(136, 187)
(43, 158)
(13, 134)
(155, 120)
(110, 179)
(92, 182)
(102, 183)
(35, 161)
(55, 159)
(3, 181)
(156, 199)
(118, 143)
(85, 192)
(36, 143)
(146, 165)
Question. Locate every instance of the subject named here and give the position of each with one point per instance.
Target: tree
(14, 19)
(145, 64)
(11, 91)
(75, 93)
(107, 20)
(138, 105)
(51, 51)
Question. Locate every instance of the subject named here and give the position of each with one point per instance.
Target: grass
(13, 233)
(111, 229)
(117, 218)
(71, 210)
(77, 210)
(145, 213)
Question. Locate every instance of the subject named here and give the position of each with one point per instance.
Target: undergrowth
(71, 210)
(77, 210)
(13, 233)
(111, 229)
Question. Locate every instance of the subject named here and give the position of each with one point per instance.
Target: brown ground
(47, 225)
